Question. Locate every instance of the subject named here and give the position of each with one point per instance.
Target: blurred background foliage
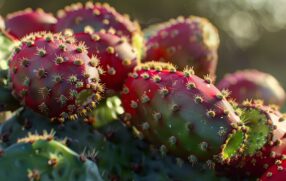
(253, 32)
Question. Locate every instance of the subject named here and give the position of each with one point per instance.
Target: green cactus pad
(258, 130)
(6, 46)
(46, 161)
(7, 101)
(233, 144)
(113, 147)
(83, 138)
(106, 112)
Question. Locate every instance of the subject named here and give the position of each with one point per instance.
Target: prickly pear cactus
(191, 41)
(145, 162)
(34, 21)
(83, 138)
(97, 16)
(39, 157)
(266, 142)
(275, 172)
(161, 125)
(116, 57)
(118, 154)
(53, 75)
(253, 84)
(182, 113)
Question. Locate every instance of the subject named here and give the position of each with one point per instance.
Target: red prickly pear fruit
(54, 76)
(277, 172)
(253, 84)
(22, 23)
(115, 54)
(191, 41)
(186, 115)
(97, 16)
(266, 141)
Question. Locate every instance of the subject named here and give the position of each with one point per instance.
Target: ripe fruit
(39, 157)
(266, 142)
(116, 56)
(54, 76)
(266, 137)
(22, 23)
(96, 16)
(182, 113)
(277, 172)
(191, 41)
(253, 84)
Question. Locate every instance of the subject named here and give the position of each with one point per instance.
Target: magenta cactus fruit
(22, 23)
(77, 17)
(54, 76)
(266, 141)
(277, 172)
(117, 57)
(191, 41)
(182, 113)
(253, 84)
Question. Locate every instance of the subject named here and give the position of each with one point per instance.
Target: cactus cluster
(84, 108)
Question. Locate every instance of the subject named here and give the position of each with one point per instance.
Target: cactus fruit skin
(44, 159)
(54, 76)
(183, 113)
(22, 23)
(277, 172)
(275, 147)
(191, 41)
(117, 57)
(266, 142)
(253, 84)
(98, 16)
